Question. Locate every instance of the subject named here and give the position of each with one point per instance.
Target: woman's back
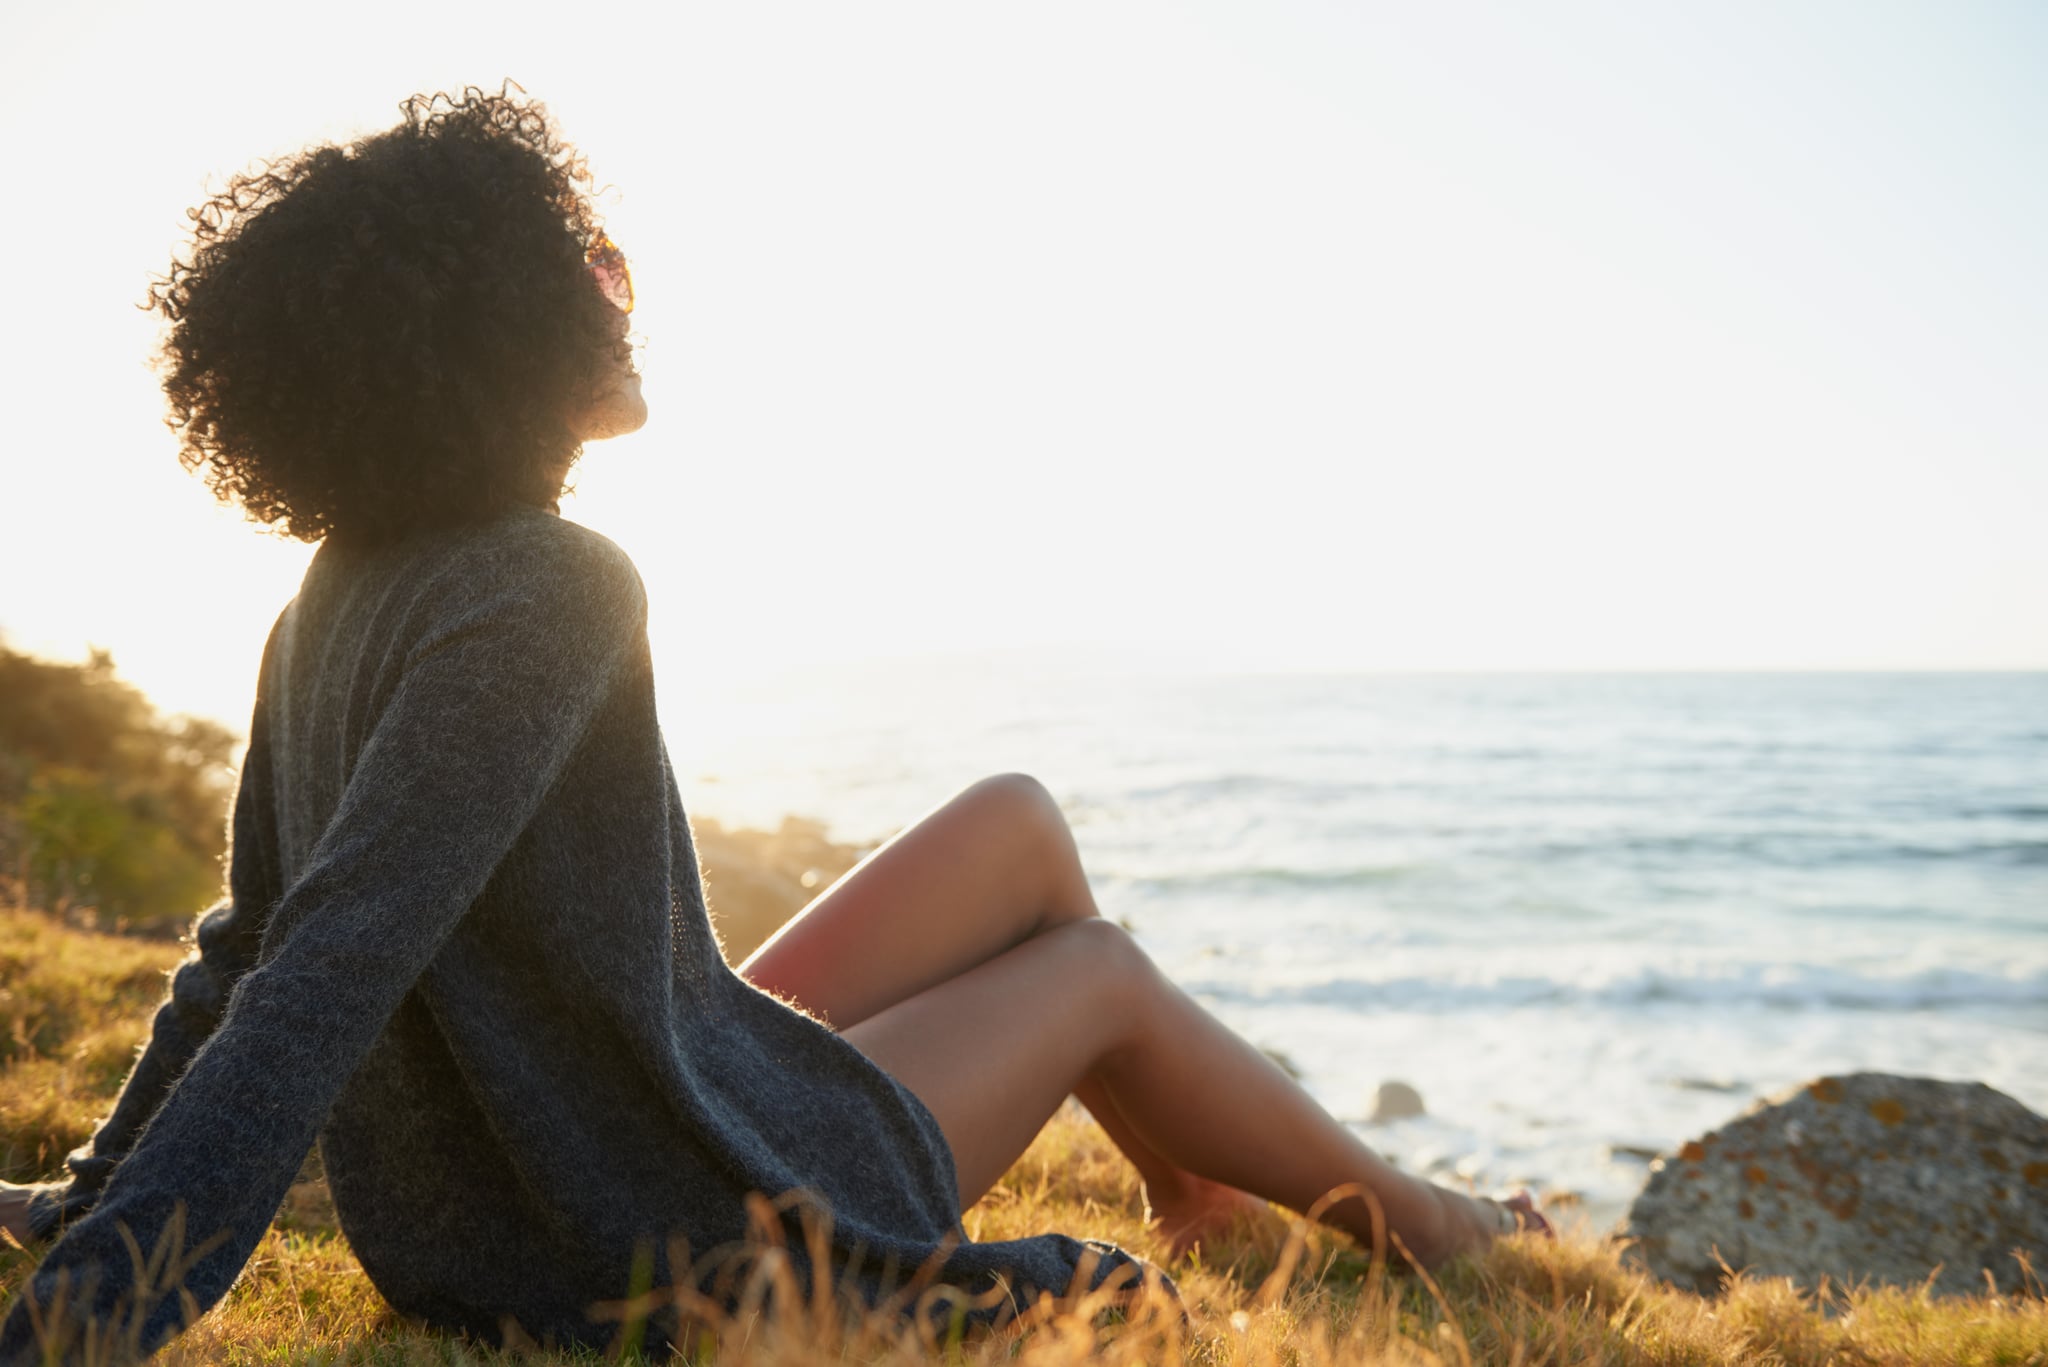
(464, 1166)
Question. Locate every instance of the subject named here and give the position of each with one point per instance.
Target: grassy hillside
(74, 1005)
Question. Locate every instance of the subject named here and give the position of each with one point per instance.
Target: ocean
(1586, 916)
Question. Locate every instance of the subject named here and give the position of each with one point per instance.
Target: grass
(74, 1005)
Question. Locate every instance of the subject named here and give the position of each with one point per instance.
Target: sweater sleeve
(494, 696)
(226, 940)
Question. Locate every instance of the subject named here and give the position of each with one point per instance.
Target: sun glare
(1282, 338)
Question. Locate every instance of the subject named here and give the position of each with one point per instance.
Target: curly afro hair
(392, 334)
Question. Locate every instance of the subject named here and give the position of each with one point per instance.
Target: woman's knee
(1105, 965)
(1016, 798)
(1026, 807)
(1021, 826)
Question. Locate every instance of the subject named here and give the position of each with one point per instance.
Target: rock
(1869, 1176)
(756, 880)
(1394, 1101)
(1708, 1084)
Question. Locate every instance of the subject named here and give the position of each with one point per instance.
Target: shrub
(109, 813)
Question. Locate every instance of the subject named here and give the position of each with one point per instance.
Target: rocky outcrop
(1869, 1176)
(1394, 1101)
(756, 880)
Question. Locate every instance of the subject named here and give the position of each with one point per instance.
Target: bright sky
(1277, 335)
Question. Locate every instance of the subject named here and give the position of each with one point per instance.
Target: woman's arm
(227, 938)
(490, 706)
(199, 987)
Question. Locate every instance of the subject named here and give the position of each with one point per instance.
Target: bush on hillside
(109, 812)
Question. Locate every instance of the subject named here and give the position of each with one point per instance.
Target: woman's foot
(1197, 1209)
(1526, 1219)
(1476, 1221)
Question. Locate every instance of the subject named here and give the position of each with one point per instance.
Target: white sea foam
(1747, 986)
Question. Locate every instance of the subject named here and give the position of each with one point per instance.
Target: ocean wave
(1774, 987)
(1671, 852)
(1213, 787)
(1252, 879)
(1992, 851)
(1782, 849)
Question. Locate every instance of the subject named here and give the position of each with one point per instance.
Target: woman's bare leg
(993, 1051)
(979, 875)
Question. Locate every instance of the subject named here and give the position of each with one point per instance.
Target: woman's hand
(14, 1212)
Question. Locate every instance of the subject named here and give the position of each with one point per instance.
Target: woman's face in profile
(616, 407)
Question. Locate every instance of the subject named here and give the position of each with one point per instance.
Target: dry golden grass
(1277, 1294)
(73, 1008)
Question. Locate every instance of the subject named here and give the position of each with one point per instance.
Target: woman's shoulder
(524, 534)
(530, 563)
(545, 548)
(553, 573)
(528, 553)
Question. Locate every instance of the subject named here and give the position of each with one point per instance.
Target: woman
(465, 947)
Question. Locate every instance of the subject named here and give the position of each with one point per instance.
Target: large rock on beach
(1394, 1101)
(1869, 1176)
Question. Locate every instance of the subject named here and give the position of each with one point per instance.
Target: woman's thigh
(993, 1051)
(977, 875)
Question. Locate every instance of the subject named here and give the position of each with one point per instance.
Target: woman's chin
(623, 410)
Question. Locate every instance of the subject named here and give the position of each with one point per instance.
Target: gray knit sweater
(465, 949)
